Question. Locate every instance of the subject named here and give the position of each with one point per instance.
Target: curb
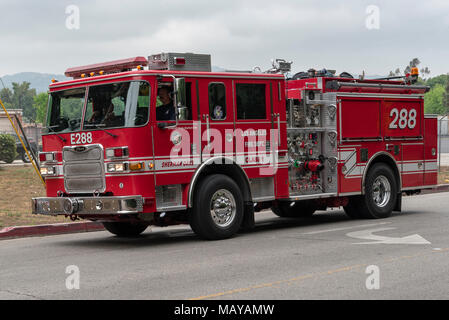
(49, 229)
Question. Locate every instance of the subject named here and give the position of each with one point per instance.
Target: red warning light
(180, 61)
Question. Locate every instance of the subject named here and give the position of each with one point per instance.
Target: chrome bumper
(87, 206)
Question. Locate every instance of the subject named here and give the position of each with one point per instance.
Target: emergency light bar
(107, 67)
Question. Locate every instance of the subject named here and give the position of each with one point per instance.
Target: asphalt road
(325, 257)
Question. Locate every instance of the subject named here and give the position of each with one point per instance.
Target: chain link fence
(443, 142)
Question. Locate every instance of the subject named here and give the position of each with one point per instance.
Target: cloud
(238, 34)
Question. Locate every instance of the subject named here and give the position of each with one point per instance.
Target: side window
(165, 108)
(251, 101)
(143, 104)
(217, 101)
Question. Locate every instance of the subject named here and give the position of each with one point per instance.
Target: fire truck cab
(163, 141)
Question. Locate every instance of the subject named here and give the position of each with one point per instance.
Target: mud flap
(398, 206)
(248, 222)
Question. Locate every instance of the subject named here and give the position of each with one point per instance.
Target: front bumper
(87, 205)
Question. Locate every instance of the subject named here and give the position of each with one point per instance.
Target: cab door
(174, 163)
(217, 118)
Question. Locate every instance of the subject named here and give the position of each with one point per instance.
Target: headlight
(116, 167)
(48, 171)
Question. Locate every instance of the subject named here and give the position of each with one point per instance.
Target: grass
(443, 176)
(18, 185)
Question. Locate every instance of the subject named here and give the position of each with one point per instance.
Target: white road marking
(346, 228)
(368, 235)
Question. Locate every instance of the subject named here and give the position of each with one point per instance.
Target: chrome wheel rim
(223, 208)
(381, 191)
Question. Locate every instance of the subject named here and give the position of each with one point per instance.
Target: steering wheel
(139, 119)
(74, 123)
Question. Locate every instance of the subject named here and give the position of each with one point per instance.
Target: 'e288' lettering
(81, 138)
(403, 118)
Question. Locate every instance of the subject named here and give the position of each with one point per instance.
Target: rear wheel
(217, 212)
(381, 192)
(301, 209)
(352, 209)
(125, 229)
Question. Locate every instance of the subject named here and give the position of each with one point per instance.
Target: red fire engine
(163, 140)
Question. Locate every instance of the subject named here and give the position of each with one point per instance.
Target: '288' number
(403, 119)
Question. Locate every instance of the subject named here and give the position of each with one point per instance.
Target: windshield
(122, 104)
(65, 110)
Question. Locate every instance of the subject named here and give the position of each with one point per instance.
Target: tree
(425, 71)
(8, 150)
(6, 96)
(446, 95)
(433, 100)
(40, 105)
(23, 99)
(441, 79)
(412, 64)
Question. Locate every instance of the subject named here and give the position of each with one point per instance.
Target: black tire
(225, 221)
(380, 181)
(25, 158)
(125, 229)
(301, 209)
(352, 209)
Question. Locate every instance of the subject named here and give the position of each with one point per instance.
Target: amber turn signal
(136, 166)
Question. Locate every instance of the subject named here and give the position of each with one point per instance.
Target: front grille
(84, 169)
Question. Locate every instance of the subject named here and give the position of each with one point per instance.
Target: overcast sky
(239, 34)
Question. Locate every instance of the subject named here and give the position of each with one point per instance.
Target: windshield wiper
(99, 126)
(53, 130)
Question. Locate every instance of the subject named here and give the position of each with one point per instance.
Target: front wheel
(217, 212)
(125, 229)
